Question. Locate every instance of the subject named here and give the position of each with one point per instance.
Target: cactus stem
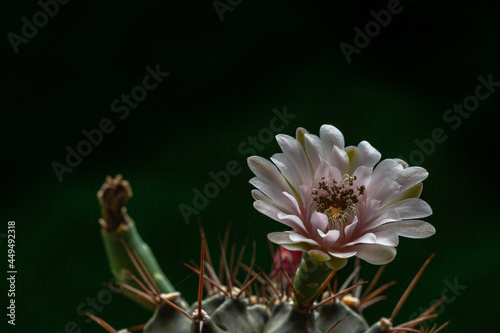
(409, 289)
(139, 266)
(177, 308)
(140, 284)
(323, 286)
(137, 292)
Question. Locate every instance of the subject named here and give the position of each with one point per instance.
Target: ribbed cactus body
(166, 319)
(278, 306)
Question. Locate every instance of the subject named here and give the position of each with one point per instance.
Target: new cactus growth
(259, 303)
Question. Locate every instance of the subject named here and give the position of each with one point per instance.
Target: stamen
(337, 201)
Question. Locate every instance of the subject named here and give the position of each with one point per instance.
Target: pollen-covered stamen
(337, 200)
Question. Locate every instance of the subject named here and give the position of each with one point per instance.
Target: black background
(225, 79)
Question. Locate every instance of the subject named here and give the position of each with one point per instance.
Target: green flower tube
(310, 276)
(119, 229)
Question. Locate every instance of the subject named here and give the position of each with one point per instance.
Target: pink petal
(319, 221)
(330, 237)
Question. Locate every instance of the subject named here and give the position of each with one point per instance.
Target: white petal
(268, 172)
(300, 136)
(331, 136)
(387, 238)
(294, 202)
(363, 176)
(388, 168)
(384, 189)
(409, 228)
(298, 238)
(283, 239)
(339, 254)
(375, 254)
(411, 208)
(271, 211)
(288, 170)
(411, 176)
(349, 230)
(314, 150)
(295, 153)
(340, 160)
(363, 154)
(273, 193)
(268, 209)
(293, 221)
(280, 237)
(368, 238)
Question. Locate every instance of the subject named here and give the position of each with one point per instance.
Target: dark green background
(225, 79)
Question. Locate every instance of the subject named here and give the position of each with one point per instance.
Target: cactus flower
(338, 201)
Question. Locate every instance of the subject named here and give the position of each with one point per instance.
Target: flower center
(337, 200)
